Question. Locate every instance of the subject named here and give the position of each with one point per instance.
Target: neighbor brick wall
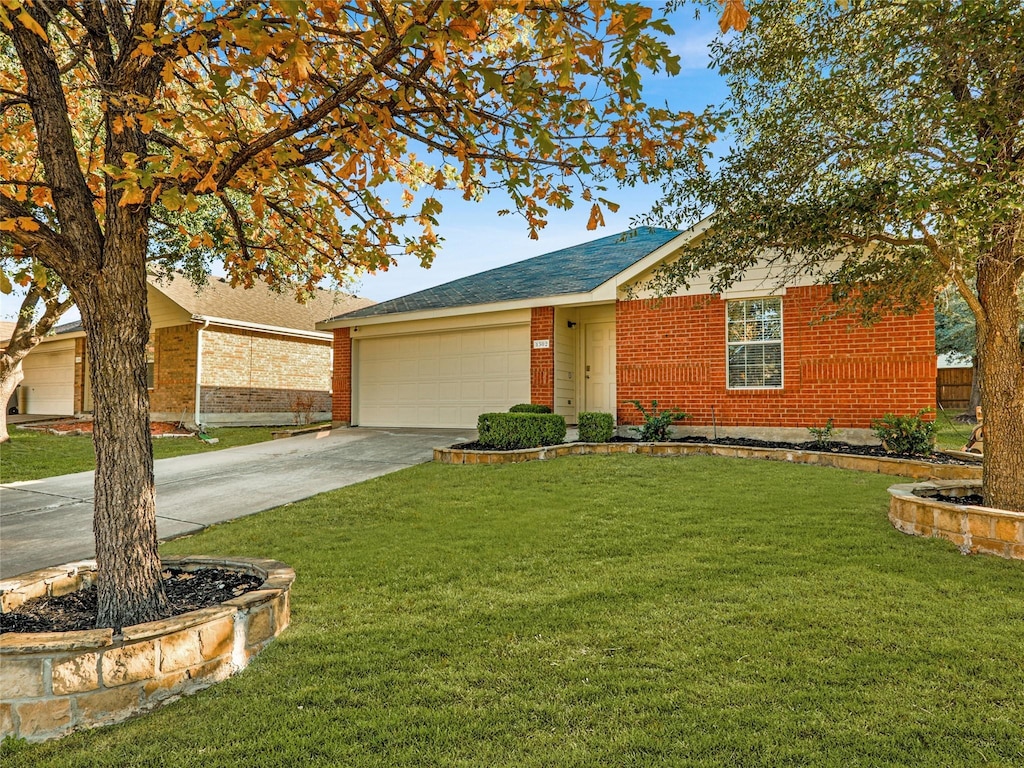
(674, 351)
(80, 363)
(251, 372)
(542, 361)
(342, 376)
(174, 375)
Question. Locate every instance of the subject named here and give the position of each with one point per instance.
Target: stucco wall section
(674, 351)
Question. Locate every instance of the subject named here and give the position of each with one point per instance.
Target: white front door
(599, 368)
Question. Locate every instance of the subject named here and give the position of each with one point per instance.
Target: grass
(949, 433)
(604, 611)
(31, 454)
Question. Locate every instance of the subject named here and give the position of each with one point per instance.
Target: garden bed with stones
(52, 683)
(84, 427)
(947, 510)
(883, 464)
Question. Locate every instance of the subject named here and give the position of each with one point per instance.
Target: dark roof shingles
(577, 269)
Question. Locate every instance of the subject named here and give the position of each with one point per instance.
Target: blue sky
(477, 239)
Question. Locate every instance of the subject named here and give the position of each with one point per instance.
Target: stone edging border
(876, 464)
(54, 683)
(973, 529)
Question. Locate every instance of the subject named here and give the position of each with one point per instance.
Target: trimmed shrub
(596, 427)
(909, 435)
(509, 431)
(529, 408)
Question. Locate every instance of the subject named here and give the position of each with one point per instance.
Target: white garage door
(442, 379)
(49, 382)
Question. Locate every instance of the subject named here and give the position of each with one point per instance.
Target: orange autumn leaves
(304, 126)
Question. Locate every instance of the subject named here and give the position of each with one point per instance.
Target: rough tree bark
(975, 399)
(27, 334)
(104, 267)
(128, 566)
(11, 376)
(1002, 367)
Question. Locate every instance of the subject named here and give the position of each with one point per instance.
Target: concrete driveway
(49, 522)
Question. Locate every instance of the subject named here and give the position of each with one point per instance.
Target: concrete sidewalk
(49, 522)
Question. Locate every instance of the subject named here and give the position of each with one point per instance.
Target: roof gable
(259, 305)
(576, 269)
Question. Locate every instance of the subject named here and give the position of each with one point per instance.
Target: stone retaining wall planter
(54, 683)
(878, 464)
(974, 529)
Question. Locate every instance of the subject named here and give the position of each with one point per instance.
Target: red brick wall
(342, 376)
(80, 373)
(542, 361)
(174, 372)
(675, 352)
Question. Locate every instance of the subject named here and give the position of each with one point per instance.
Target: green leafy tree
(300, 123)
(879, 146)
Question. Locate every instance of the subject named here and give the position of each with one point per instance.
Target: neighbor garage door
(49, 382)
(441, 379)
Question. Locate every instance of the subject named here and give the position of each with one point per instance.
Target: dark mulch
(975, 499)
(84, 427)
(186, 591)
(745, 442)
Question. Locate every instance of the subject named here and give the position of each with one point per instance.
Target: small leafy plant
(823, 436)
(596, 427)
(656, 424)
(910, 435)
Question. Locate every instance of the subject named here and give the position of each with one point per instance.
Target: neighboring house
(217, 355)
(6, 331)
(560, 329)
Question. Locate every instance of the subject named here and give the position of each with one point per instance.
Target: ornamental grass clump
(511, 431)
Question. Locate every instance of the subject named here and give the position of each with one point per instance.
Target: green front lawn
(31, 454)
(604, 611)
(949, 433)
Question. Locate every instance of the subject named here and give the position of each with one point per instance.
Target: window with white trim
(754, 343)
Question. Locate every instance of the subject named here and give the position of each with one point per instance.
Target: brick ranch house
(217, 356)
(560, 329)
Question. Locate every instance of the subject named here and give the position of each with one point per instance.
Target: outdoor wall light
(572, 324)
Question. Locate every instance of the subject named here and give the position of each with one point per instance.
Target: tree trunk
(116, 322)
(1001, 363)
(975, 399)
(10, 377)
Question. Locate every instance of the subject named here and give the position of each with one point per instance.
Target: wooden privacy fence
(953, 387)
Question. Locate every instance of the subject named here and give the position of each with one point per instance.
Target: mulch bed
(973, 499)
(186, 591)
(76, 427)
(744, 442)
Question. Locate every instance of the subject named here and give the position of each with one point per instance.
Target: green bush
(509, 431)
(909, 435)
(823, 436)
(655, 426)
(529, 408)
(596, 427)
